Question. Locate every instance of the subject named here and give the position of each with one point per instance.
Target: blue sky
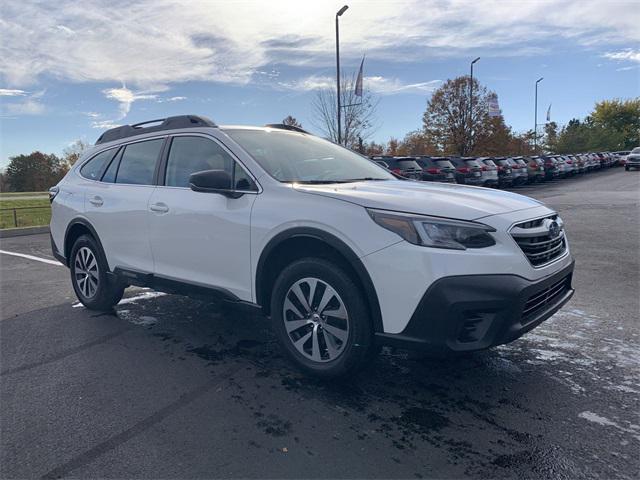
(68, 69)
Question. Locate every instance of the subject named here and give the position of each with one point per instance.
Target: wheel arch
(77, 227)
(300, 242)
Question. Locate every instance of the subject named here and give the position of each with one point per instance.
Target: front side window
(93, 167)
(195, 154)
(302, 158)
(138, 162)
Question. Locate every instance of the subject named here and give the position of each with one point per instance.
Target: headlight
(435, 232)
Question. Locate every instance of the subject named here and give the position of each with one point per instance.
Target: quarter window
(139, 162)
(93, 167)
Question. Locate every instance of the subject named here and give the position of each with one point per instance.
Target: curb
(19, 232)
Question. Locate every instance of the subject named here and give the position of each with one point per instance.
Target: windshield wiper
(364, 179)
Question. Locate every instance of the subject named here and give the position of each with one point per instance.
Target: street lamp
(339, 14)
(471, 102)
(535, 122)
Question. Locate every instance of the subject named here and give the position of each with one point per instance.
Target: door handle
(96, 201)
(159, 208)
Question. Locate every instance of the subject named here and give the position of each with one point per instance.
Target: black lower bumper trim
(57, 255)
(474, 312)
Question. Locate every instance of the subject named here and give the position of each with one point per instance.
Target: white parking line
(31, 257)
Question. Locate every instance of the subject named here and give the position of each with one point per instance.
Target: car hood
(441, 200)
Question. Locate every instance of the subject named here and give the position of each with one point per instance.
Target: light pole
(535, 122)
(471, 103)
(338, 15)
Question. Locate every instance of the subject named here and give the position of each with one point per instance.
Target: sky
(69, 70)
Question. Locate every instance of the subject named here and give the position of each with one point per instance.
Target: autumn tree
(417, 143)
(494, 138)
(73, 152)
(34, 172)
(447, 120)
(358, 113)
(291, 121)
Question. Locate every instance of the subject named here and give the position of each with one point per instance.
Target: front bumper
(474, 312)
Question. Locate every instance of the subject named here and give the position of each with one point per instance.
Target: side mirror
(213, 181)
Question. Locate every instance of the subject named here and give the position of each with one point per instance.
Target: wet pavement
(170, 387)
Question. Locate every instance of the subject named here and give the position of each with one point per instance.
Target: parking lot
(169, 387)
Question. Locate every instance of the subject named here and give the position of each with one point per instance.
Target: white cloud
(627, 54)
(171, 99)
(154, 43)
(29, 104)
(9, 92)
(377, 84)
(125, 98)
(104, 124)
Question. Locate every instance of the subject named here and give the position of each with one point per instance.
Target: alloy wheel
(86, 272)
(315, 319)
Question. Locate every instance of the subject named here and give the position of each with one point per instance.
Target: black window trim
(101, 172)
(162, 165)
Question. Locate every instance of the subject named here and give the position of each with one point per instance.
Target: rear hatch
(474, 167)
(446, 167)
(489, 169)
(410, 169)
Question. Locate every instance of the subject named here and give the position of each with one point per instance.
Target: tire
(626, 168)
(89, 278)
(335, 346)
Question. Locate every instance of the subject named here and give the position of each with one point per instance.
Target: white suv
(341, 254)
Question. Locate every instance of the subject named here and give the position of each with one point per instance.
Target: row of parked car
(498, 171)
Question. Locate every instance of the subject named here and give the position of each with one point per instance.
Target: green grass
(20, 194)
(27, 212)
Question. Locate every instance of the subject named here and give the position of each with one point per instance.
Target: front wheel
(89, 278)
(320, 317)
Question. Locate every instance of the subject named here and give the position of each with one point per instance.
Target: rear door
(196, 237)
(117, 205)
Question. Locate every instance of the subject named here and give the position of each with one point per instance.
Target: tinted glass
(194, 154)
(110, 175)
(444, 163)
(298, 157)
(93, 167)
(139, 162)
(408, 164)
(472, 163)
(489, 163)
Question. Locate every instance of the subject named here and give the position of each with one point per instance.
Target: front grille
(538, 241)
(545, 299)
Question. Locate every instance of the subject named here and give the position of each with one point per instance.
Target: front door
(201, 238)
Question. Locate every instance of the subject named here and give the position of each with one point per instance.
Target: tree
(34, 172)
(392, 146)
(494, 138)
(291, 121)
(373, 148)
(417, 143)
(4, 183)
(447, 121)
(550, 140)
(573, 137)
(358, 113)
(74, 151)
(620, 119)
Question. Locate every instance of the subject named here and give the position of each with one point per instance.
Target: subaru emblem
(554, 229)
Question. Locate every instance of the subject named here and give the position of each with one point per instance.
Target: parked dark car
(518, 170)
(468, 170)
(403, 166)
(505, 174)
(436, 169)
(551, 169)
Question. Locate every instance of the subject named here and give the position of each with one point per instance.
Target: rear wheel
(89, 278)
(321, 319)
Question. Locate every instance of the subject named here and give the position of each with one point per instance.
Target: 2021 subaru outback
(341, 255)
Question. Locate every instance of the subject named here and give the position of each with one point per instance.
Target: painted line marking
(31, 257)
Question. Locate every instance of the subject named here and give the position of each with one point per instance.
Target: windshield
(296, 157)
(636, 150)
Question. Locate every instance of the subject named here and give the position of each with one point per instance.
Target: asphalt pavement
(170, 387)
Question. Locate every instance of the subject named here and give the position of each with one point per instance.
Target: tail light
(534, 166)
(484, 168)
(397, 171)
(500, 168)
(463, 169)
(433, 171)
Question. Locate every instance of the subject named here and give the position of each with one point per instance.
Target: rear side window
(409, 164)
(489, 163)
(139, 162)
(194, 154)
(93, 167)
(444, 164)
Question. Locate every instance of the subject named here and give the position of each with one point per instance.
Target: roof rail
(169, 123)
(282, 126)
